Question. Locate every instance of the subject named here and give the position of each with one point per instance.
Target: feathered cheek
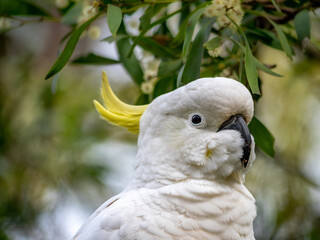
(223, 154)
(197, 155)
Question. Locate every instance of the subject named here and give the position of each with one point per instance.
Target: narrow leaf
(142, 99)
(302, 25)
(266, 69)
(144, 31)
(276, 6)
(111, 38)
(190, 29)
(94, 60)
(149, 13)
(157, 49)
(72, 15)
(262, 137)
(251, 70)
(131, 64)
(249, 63)
(69, 48)
(164, 85)
(169, 67)
(21, 8)
(114, 18)
(191, 71)
(283, 39)
(178, 39)
(213, 43)
(265, 36)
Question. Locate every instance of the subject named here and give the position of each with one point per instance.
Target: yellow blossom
(223, 21)
(224, 10)
(147, 87)
(89, 11)
(232, 3)
(62, 3)
(215, 52)
(95, 4)
(94, 32)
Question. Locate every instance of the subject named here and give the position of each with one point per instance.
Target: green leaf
(114, 18)
(190, 29)
(111, 38)
(21, 8)
(147, 28)
(283, 39)
(185, 16)
(131, 64)
(302, 25)
(192, 67)
(72, 15)
(266, 69)
(178, 39)
(142, 100)
(68, 49)
(149, 13)
(157, 49)
(169, 67)
(94, 60)
(249, 63)
(262, 137)
(276, 6)
(164, 85)
(265, 36)
(213, 43)
(251, 70)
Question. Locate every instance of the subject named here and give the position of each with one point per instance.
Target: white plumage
(188, 177)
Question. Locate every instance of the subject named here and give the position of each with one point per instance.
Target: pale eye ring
(197, 120)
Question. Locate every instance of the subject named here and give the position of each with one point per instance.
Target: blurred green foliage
(287, 185)
(45, 136)
(43, 140)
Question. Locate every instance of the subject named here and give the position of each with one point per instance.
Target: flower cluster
(89, 10)
(62, 3)
(94, 32)
(150, 66)
(132, 22)
(224, 10)
(215, 52)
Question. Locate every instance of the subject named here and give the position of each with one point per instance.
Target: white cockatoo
(194, 148)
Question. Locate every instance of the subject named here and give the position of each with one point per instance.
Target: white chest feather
(194, 209)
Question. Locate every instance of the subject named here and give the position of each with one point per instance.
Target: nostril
(227, 123)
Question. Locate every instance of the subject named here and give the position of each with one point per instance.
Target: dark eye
(196, 119)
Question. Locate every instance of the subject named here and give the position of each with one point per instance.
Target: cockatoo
(194, 149)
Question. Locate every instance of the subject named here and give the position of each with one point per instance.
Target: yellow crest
(116, 111)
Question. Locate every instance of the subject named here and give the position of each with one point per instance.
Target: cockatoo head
(196, 131)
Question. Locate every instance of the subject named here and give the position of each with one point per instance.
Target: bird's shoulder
(92, 228)
(115, 218)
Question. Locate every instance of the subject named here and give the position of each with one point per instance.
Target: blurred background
(59, 161)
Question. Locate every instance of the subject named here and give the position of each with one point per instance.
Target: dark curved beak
(238, 123)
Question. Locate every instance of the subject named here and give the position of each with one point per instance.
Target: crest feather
(116, 111)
